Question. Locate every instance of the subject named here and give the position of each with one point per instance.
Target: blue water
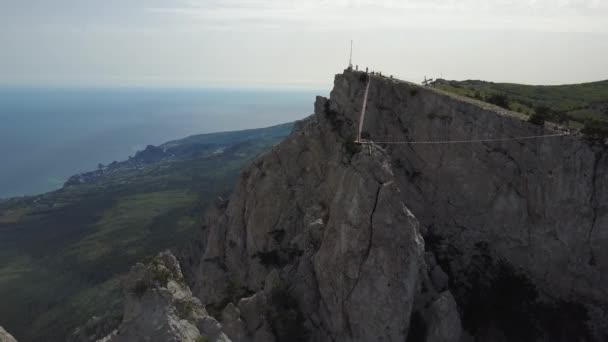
(49, 134)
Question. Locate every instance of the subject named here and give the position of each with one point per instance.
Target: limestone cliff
(330, 222)
(530, 213)
(327, 240)
(160, 307)
(5, 336)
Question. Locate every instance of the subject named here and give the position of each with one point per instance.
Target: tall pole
(350, 60)
(363, 108)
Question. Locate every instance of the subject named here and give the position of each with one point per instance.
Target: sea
(48, 134)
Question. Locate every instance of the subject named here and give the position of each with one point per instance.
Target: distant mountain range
(63, 254)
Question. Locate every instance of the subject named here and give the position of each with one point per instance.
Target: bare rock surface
(327, 240)
(525, 220)
(542, 204)
(160, 307)
(443, 320)
(325, 222)
(5, 336)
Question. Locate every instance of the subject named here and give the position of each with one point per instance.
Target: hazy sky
(301, 43)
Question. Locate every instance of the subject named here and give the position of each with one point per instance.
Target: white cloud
(537, 15)
(291, 41)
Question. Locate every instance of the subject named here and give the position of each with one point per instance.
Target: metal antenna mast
(350, 60)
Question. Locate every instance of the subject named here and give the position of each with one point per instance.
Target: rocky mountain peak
(327, 219)
(494, 238)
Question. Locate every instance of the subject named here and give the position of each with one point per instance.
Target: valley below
(65, 253)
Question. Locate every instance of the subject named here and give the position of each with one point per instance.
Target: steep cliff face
(535, 206)
(327, 240)
(329, 220)
(542, 203)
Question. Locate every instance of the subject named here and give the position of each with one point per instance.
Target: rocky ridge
(160, 307)
(327, 240)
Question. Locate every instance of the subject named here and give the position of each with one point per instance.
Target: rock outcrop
(328, 221)
(515, 221)
(324, 239)
(5, 336)
(160, 307)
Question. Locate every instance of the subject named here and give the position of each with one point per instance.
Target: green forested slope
(63, 253)
(572, 104)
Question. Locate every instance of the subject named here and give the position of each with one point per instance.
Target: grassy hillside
(63, 253)
(570, 104)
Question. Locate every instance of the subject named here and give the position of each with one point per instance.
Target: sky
(291, 43)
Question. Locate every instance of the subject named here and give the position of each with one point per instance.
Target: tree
(501, 100)
(596, 130)
(560, 117)
(537, 119)
(541, 113)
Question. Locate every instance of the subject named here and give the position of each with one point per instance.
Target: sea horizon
(65, 130)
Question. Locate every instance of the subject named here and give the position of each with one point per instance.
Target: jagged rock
(330, 220)
(250, 322)
(539, 207)
(254, 312)
(367, 275)
(443, 321)
(5, 336)
(268, 315)
(97, 327)
(160, 307)
(232, 323)
(439, 278)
